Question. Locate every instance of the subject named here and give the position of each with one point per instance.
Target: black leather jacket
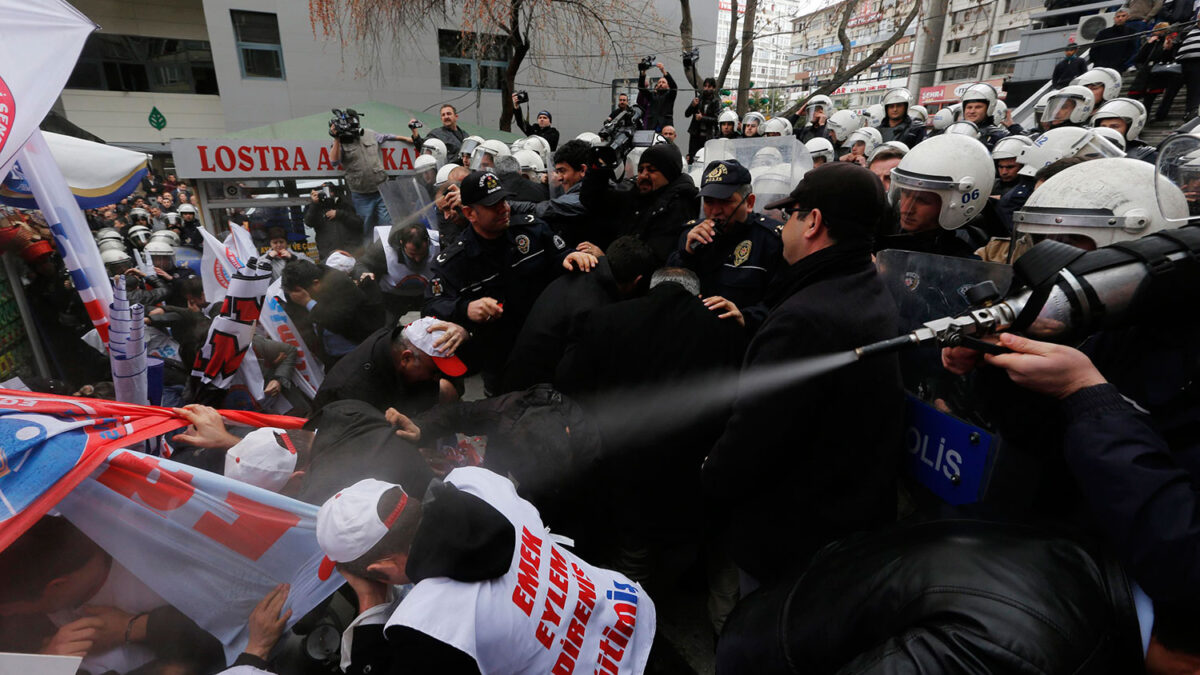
(957, 597)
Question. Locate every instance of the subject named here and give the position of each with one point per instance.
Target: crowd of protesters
(632, 332)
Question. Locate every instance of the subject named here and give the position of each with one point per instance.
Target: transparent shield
(409, 199)
(1179, 163)
(776, 161)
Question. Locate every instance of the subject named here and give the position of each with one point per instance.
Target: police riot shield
(776, 163)
(409, 199)
(950, 450)
(1179, 163)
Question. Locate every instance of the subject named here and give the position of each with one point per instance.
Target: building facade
(772, 46)
(816, 50)
(209, 67)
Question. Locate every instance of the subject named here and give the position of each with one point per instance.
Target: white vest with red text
(551, 613)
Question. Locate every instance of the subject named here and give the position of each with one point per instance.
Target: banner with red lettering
(50, 444)
(231, 331)
(309, 373)
(246, 158)
(209, 545)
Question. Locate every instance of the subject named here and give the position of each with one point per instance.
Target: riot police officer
(733, 250)
(488, 279)
(1127, 116)
(979, 105)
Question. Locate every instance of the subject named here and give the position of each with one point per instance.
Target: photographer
(334, 220)
(356, 149)
(659, 103)
(622, 106)
(544, 122)
(703, 113)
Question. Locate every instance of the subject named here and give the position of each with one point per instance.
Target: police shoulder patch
(529, 218)
(435, 286)
(559, 243)
(522, 243)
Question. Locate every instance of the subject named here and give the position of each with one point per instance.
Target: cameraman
(660, 103)
(622, 106)
(703, 112)
(543, 127)
(334, 220)
(357, 151)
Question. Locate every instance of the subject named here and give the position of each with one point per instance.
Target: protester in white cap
(493, 591)
(401, 368)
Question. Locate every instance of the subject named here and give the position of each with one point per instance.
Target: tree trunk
(844, 74)
(747, 56)
(519, 47)
(730, 46)
(685, 40)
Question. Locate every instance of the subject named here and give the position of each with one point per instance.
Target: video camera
(647, 63)
(522, 97)
(620, 135)
(691, 56)
(346, 126)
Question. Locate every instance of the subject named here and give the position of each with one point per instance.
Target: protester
(663, 199)
(834, 474)
(340, 312)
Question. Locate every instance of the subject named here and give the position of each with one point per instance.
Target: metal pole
(14, 280)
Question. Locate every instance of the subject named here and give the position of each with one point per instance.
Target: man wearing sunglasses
(801, 465)
(733, 250)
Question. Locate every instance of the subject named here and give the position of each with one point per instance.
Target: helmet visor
(1062, 109)
(1179, 163)
(468, 147)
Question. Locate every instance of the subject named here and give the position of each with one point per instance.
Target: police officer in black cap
(733, 250)
(488, 279)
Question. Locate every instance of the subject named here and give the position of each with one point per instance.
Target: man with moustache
(655, 211)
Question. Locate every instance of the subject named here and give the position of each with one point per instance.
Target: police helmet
(1010, 147)
(919, 113)
(1107, 200)
(874, 115)
(1056, 144)
(425, 163)
(820, 147)
(491, 149)
(727, 116)
(757, 120)
(1115, 137)
(1072, 103)
(956, 168)
(893, 146)
(590, 137)
(1132, 111)
(941, 119)
(870, 137)
(138, 235)
(434, 148)
(981, 91)
(186, 208)
(842, 123)
(468, 146)
(777, 126)
(139, 214)
(116, 261)
(897, 95)
(531, 162)
(964, 128)
(1105, 77)
(162, 254)
(167, 237)
(1179, 163)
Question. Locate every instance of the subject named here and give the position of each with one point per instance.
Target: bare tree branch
(731, 46)
(685, 40)
(843, 74)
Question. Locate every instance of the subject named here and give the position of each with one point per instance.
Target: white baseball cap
(348, 523)
(418, 334)
(265, 458)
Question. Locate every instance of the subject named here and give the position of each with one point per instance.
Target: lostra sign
(248, 158)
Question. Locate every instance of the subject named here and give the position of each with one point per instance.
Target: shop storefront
(948, 93)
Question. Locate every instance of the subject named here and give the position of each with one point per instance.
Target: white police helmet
(425, 163)
(531, 162)
(894, 146)
(590, 137)
(1106, 77)
(1001, 110)
(1072, 103)
(468, 146)
(1108, 200)
(820, 147)
(443, 175)
(1112, 135)
(956, 168)
(186, 208)
(434, 148)
(162, 254)
(820, 101)
(138, 235)
(755, 118)
(1179, 163)
(842, 123)
(727, 116)
(897, 95)
(1062, 142)
(541, 146)
(941, 119)
(874, 115)
(489, 148)
(981, 91)
(777, 126)
(1128, 109)
(116, 261)
(870, 137)
(964, 128)
(1010, 147)
(167, 236)
(919, 113)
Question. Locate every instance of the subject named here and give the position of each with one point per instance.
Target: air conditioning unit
(1090, 26)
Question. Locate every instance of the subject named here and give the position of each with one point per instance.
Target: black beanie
(666, 158)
